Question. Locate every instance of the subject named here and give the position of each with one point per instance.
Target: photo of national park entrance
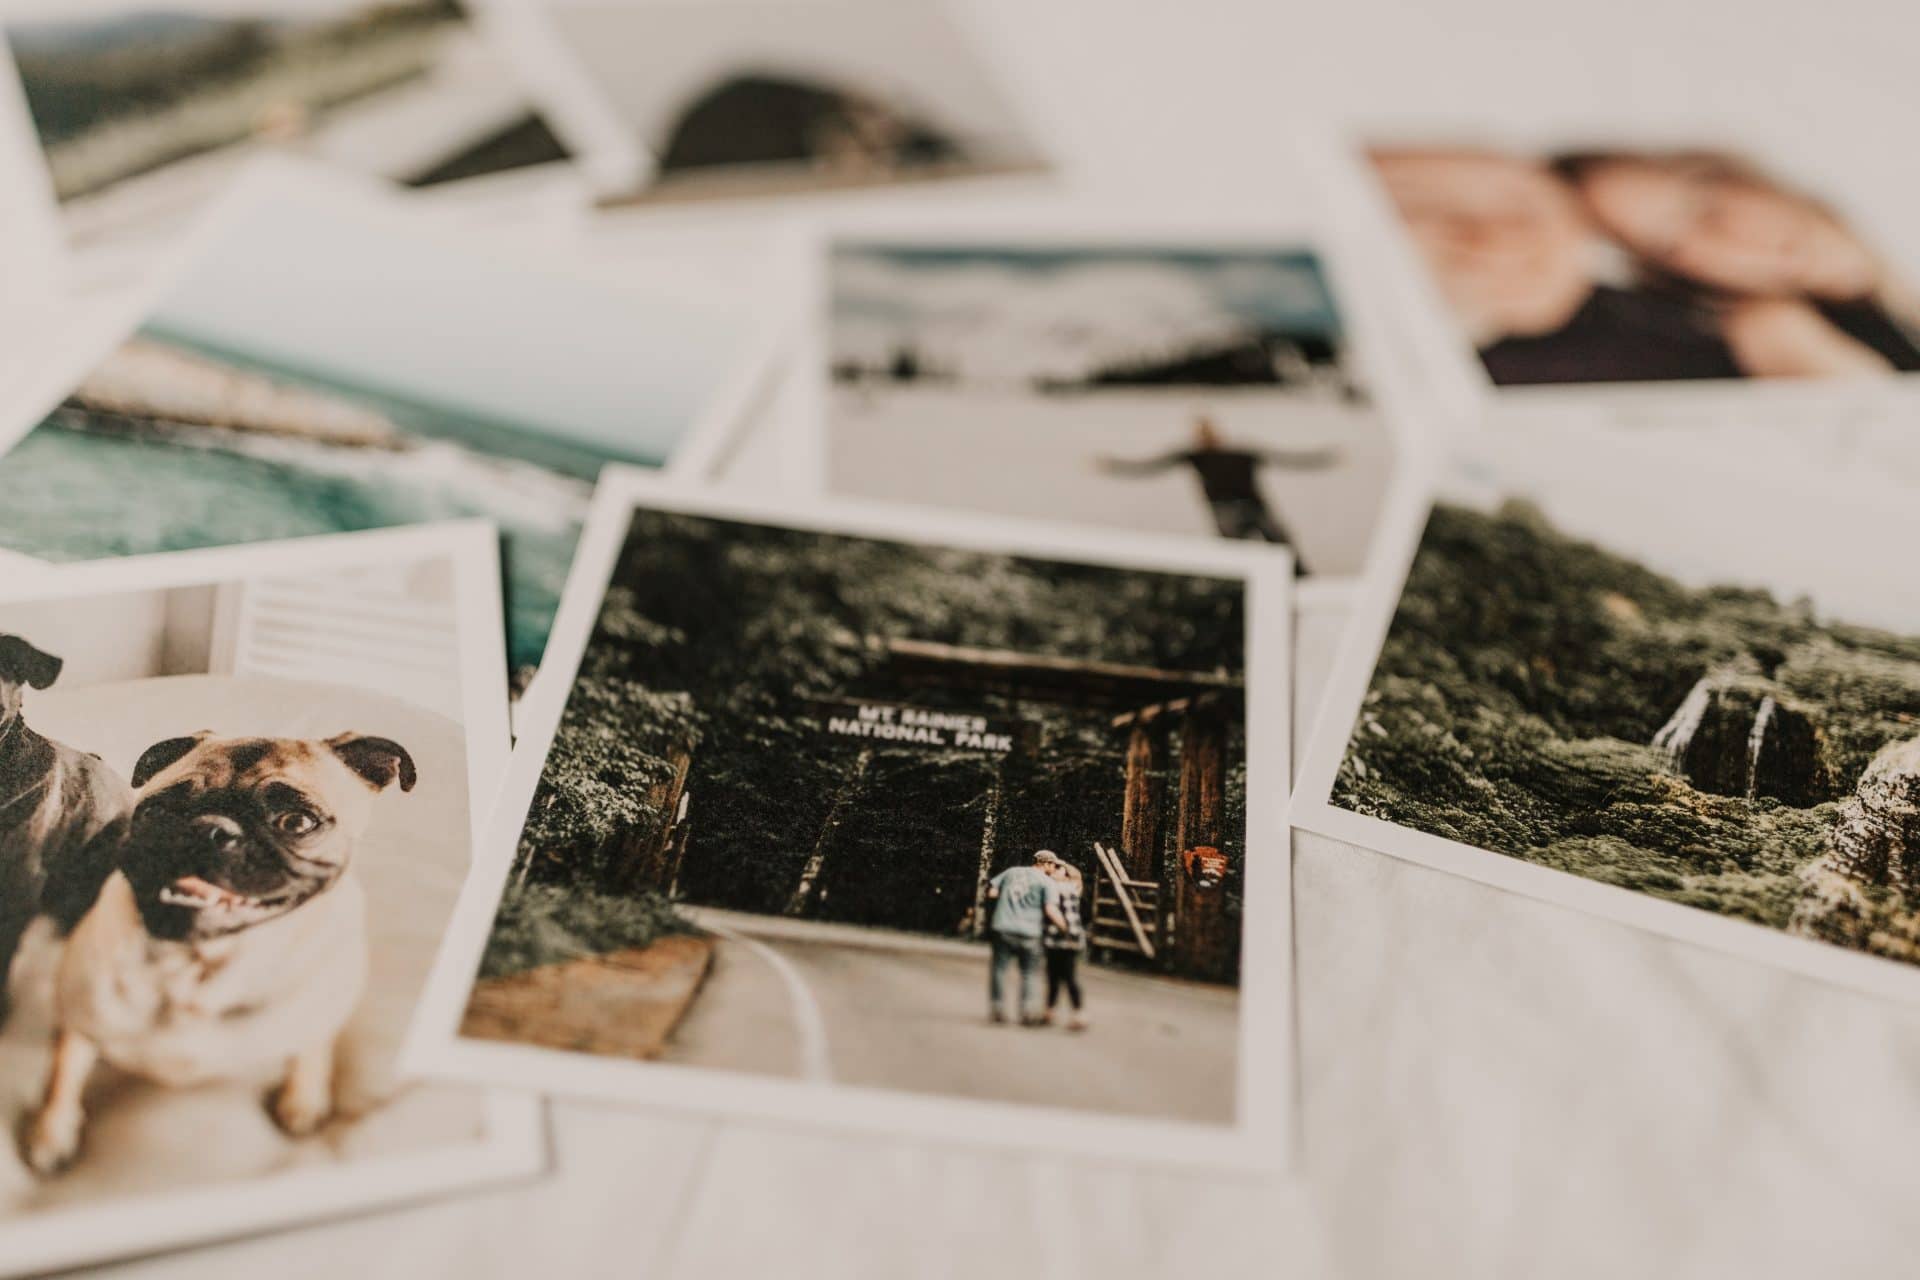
(850, 809)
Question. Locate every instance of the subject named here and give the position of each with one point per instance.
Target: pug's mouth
(198, 894)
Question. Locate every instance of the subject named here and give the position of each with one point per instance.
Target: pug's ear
(381, 761)
(21, 663)
(162, 754)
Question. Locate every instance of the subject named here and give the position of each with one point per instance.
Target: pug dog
(230, 941)
(62, 812)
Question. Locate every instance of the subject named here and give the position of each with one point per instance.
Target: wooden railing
(1125, 913)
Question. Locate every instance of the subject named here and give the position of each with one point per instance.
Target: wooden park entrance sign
(1169, 909)
(896, 724)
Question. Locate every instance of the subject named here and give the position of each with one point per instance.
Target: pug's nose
(217, 832)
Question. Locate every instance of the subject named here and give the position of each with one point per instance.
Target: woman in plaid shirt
(1064, 945)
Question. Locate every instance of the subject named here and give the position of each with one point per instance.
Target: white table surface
(1490, 1087)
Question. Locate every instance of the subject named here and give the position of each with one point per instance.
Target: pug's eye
(295, 822)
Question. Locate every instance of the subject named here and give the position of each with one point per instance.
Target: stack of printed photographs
(407, 710)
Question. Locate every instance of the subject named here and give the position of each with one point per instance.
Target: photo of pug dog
(62, 811)
(231, 937)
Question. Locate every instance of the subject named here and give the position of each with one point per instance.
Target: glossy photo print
(1669, 262)
(324, 362)
(244, 784)
(1205, 388)
(1650, 685)
(888, 821)
(141, 112)
(770, 97)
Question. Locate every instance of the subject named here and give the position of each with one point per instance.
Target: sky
(1713, 516)
(995, 314)
(402, 309)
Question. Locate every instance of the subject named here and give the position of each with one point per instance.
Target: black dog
(63, 813)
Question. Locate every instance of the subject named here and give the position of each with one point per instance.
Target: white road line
(809, 1024)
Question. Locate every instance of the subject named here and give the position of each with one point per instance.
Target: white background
(1490, 1087)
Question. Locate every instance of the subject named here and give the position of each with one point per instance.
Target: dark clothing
(1618, 335)
(1868, 324)
(1248, 520)
(1063, 974)
(1229, 482)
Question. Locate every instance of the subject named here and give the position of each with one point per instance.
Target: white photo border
(1262, 1137)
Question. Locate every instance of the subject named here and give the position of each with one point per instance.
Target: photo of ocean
(92, 481)
(333, 365)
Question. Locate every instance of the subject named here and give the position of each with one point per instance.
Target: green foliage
(725, 636)
(1526, 674)
(544, 924)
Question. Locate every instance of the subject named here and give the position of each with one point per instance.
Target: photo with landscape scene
(840, 748)
(1202, 390)
(744, 97)
(403, 89)
(327, 370)
(1628, 264)
(1661, 682)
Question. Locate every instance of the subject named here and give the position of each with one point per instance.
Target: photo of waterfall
(1653, 678)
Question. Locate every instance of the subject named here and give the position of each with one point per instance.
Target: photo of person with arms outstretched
(1229, 479)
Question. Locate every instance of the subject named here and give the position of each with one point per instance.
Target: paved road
(822, 1002)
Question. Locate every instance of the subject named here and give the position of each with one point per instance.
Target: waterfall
(1756, 743)
(1676, 735)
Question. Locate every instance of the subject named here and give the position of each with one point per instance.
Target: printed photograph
(236, 822)
(1648, 265)
(1181, 389)
(900, 817)
(140, 110)
(768, 97)
(1662, 677)
(331, 365)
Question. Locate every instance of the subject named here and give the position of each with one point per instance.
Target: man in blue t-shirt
(1024, 899)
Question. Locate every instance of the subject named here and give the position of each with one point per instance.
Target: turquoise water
(68, 492)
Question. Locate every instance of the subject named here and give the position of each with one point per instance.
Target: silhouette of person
(1229, 479)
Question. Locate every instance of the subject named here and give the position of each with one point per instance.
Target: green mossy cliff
(1544, 698)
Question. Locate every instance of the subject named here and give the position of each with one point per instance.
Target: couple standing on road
(1036, 912)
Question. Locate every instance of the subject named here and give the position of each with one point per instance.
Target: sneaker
(1077, 1023)
(996, 1017)
(1033, 1021)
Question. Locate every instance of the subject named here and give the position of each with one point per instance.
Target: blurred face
(1726, 231)
(1505, 238)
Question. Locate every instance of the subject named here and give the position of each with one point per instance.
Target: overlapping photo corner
(135, 116)
(332, 708)
(320, 360)
(1671, 273)
(1158, 378)
(119, 121)
(750, 862)
(1658, 685)
(685, 101)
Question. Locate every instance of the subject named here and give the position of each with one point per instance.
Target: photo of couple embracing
(1036, 921)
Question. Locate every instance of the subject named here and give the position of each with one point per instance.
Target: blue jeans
(1009, 948)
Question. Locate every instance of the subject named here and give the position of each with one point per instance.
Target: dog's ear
(161, 754)
(381, 761)
(21, 663)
